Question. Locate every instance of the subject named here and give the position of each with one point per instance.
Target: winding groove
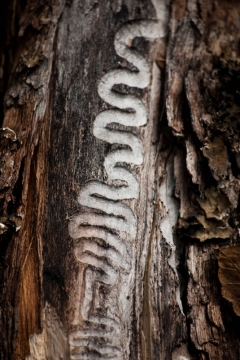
(104, 262)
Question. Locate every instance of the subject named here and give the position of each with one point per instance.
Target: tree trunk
(119, 179)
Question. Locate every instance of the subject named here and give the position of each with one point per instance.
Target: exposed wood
(23, 171)
(98, 286)
(119, 179)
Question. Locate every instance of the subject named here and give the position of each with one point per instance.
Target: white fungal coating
(117, 220)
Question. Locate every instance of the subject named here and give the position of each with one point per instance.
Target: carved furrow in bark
(108, 165)
(100, 196)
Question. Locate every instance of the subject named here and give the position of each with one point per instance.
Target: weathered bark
(202, 110)
(24, 169)
(89, 263)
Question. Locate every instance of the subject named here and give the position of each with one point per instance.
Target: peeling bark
(66, 69)
(202, 107)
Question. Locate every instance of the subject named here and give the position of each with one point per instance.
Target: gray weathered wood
(103, 267)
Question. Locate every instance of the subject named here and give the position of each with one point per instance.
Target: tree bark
(119, 179)
(202, 107)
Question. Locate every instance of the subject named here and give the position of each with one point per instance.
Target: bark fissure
(146, 332)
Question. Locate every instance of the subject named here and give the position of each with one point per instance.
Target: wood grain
(119, 179)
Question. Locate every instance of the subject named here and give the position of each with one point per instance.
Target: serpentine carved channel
(102, 236)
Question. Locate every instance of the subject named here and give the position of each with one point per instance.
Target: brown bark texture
(119, 179)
